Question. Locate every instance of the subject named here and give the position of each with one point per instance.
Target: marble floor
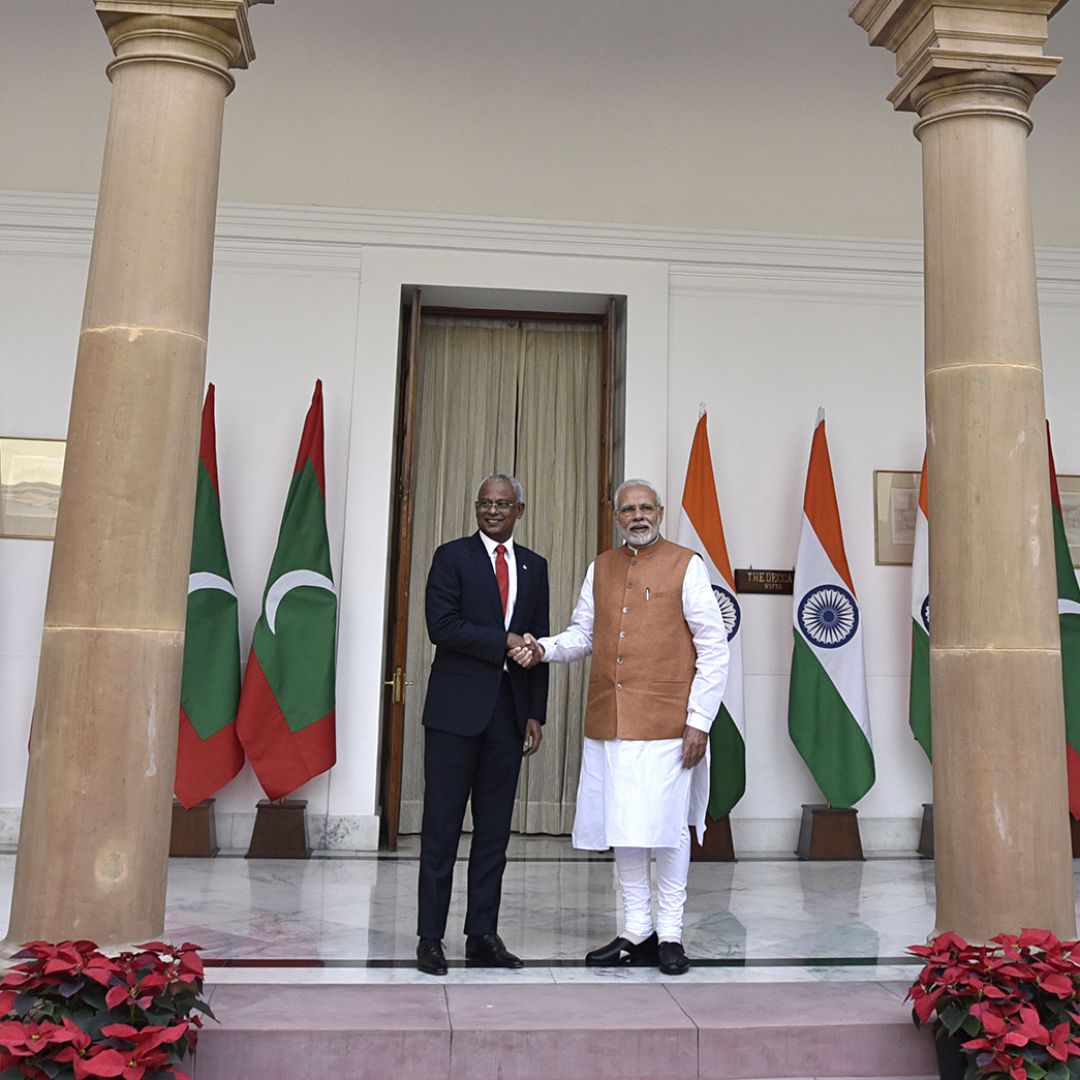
(351, 918)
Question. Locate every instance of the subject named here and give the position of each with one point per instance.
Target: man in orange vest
(648, 616)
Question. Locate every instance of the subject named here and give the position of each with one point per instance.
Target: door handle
(398, 682)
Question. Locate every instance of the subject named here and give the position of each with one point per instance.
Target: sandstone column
(1002, 846)
(95, 820)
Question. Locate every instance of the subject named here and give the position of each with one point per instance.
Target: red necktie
(502, 576)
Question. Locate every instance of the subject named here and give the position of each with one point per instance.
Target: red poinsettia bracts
(1015, 1000)
(68, 1011)
(26, 1040)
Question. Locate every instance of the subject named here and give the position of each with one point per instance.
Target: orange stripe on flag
(819, 505)
(700, 503)
(924, 499)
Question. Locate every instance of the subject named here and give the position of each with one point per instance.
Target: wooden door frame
(393, 709)
(393, 705)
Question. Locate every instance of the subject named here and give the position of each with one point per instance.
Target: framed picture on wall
(1069, 490)
(896, 505)
(31, 471)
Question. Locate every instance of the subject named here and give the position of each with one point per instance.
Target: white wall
(762, 328)
(766, 115)
(764, 360)
(39, 321)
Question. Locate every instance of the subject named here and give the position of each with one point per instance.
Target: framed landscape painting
(31, 471)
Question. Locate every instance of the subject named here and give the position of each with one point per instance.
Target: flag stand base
(718, 846)
(280, 830)
(926, 833)
(193, 834)
(829, 832)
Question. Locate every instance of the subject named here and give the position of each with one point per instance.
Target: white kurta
(635, 792)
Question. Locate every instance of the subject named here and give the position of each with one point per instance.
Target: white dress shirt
(511, 566)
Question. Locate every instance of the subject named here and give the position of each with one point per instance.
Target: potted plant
(68, 1012)
(1010, 1009)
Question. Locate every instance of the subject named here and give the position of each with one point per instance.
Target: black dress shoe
(620, 951)
(430, 958)
(672, 958)
(488, 950)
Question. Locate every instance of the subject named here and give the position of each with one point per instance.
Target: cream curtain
(520, 398)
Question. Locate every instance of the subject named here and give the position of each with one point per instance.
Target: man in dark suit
(481, 716)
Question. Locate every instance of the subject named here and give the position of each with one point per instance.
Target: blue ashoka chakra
(924, 613)
(729, 609)
(828, 616)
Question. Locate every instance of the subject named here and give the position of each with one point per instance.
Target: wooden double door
(530, 394)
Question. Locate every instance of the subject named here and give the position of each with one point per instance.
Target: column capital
(934, 38)
(226, 21)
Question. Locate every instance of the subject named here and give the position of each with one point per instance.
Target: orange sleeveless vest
(643, 658)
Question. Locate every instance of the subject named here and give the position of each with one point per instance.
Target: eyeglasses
(497, 504)
(630, 511)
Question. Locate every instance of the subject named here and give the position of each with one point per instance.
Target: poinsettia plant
(1013, 1004)
(68, 1012)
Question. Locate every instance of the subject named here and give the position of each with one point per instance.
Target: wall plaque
(781, 582)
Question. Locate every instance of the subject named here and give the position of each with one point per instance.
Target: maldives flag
(702, 531)
(286, 716)
(208, 753)
(919, 692)
(1069, 617)
(828, 709)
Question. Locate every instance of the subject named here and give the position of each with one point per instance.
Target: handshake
(525, 651)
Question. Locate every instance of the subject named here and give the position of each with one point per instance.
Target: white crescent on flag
(204, 580)
(294, 579)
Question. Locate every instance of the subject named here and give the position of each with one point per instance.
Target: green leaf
(1057, 1071)
(952, 1016)
(94, 997)
(204, 1008)
(971, 1025)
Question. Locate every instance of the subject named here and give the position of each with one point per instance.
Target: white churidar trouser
(672, 867)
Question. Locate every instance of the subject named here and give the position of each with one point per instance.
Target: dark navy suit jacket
(465, 623)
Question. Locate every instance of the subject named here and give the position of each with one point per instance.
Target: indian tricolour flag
(702, 531)
(1069, 618)
(828, 708)
(919, 693)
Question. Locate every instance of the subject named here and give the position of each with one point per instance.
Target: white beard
(639, 540)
